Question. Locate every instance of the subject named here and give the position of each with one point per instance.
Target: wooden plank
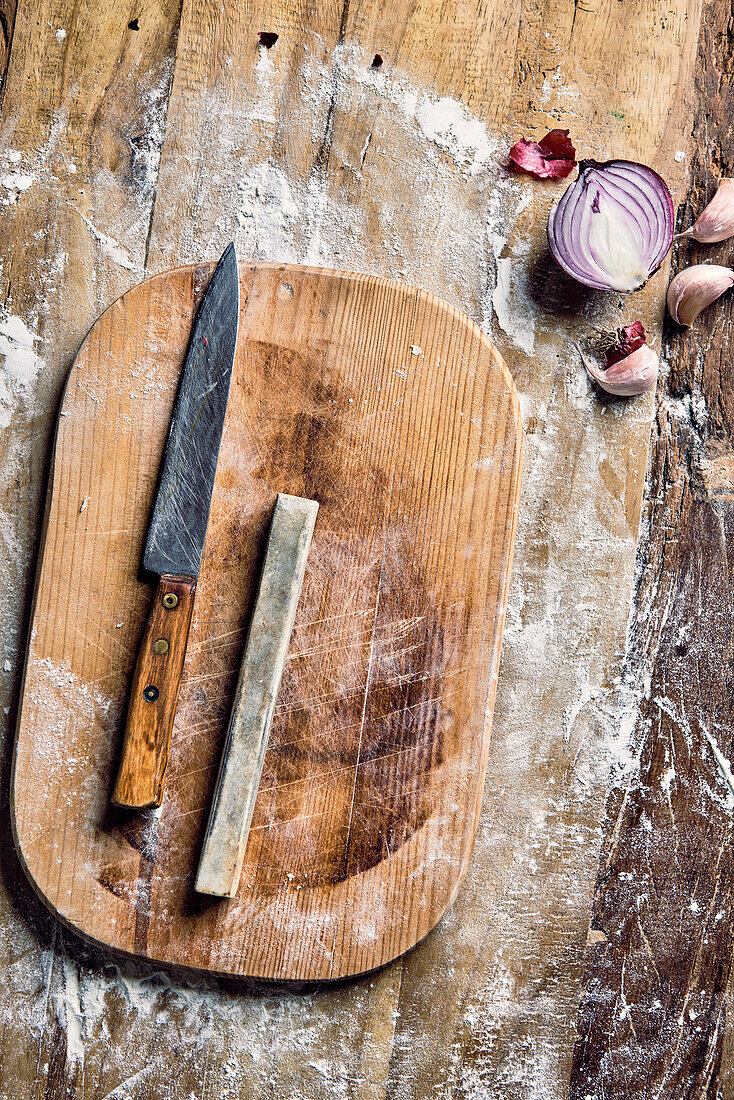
(244, 128)
(512, 952)
(652, 1019)
(76, 118)
(242, 149)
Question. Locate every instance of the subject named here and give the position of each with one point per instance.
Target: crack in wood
(7, 24)
(322, 157)
(173, 50)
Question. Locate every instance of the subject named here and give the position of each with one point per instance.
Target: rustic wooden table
(137, 137)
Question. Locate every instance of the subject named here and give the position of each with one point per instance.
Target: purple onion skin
(657, 195)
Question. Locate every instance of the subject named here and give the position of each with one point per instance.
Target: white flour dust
(147, 149)
(115, 208)
(14, 183)
(69, 1009)
(19, 366)
(266, 210)
(461, 196)
(109, 246)
(15, 177)
(514, 315)
(449, 124)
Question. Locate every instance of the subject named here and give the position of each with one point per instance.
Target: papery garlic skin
(695, 288)
(716, 221)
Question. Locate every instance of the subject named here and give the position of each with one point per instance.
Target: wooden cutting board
(399, 416)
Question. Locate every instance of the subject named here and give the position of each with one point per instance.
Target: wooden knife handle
(154, 695)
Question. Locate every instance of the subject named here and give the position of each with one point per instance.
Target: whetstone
(262, 666)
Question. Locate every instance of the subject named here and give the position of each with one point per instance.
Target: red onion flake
(627, 340)
(553, 157)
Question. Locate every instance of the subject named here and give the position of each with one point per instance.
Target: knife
(176, 533)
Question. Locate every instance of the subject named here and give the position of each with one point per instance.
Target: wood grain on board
(653, 1020)
(488, 1002)
(399, 417)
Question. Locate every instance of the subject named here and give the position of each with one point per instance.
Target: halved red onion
(613, 227)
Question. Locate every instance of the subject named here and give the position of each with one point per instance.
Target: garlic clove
(635, 373)
(695, 288)
(716, 221)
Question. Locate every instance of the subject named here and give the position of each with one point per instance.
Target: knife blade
(176, 533)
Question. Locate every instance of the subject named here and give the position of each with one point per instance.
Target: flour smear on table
(472, 225)
(20, 364)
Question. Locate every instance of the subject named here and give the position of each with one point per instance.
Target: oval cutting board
(398, 415)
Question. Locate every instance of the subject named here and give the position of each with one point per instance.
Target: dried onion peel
(553, 157)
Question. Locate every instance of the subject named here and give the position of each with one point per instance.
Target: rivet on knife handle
(154, 694)
(257, 688)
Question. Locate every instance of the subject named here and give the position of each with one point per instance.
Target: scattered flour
(264, 67)
(147, 149)
(266, 210)
(15, 183)
(18, 181)
(554, 703)
(19, 366)
(449, 124)
(111, 248)
(666, 779)
(463, 199)
(69, 1009)
(518, 323)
